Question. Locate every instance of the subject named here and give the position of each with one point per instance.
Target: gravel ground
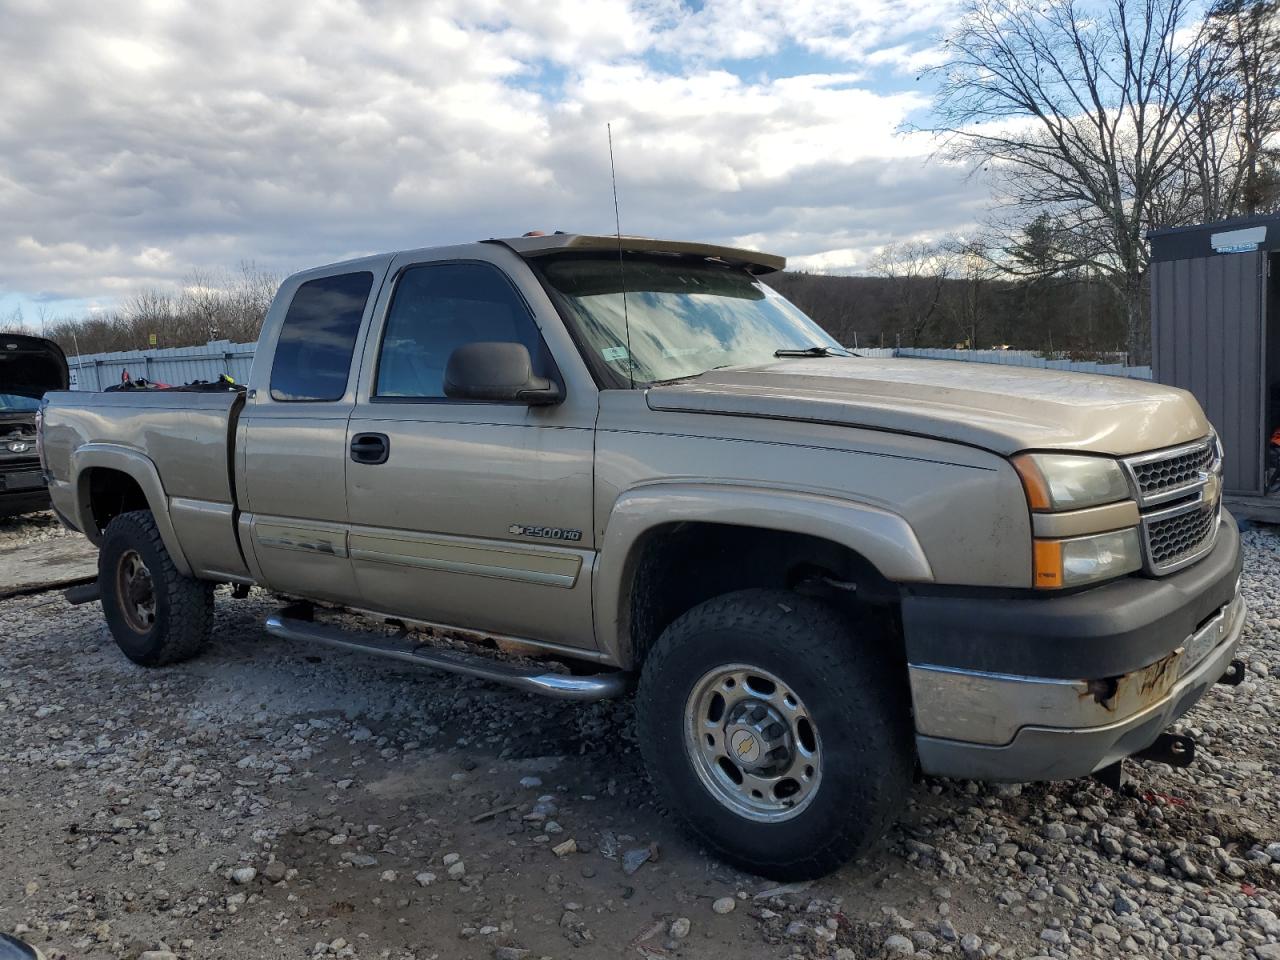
(269, 800)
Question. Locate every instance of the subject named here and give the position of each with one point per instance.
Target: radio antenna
(622, 274)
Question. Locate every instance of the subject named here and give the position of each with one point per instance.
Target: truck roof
(554, 243)
(531, 248)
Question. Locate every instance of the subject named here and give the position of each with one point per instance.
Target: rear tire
(156, 615)
(778, 731)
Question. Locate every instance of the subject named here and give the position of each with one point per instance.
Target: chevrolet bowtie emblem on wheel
(745, 746)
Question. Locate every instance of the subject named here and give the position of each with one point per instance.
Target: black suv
(29, 368)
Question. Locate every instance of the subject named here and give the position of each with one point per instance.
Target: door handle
(370, 448)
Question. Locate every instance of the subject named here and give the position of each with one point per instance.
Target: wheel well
(680, 565)
(111, 493)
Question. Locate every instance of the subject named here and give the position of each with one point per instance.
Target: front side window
(318, 338)
(442, 306)
(685, 316)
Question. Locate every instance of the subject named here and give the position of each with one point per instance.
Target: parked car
(821, 573)
(29, 368)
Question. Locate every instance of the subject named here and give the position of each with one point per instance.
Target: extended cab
(632, 457)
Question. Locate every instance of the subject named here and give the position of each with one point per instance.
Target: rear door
(292, 441)
(479, 515)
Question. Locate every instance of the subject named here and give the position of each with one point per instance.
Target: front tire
(779, 732)
(156, 615)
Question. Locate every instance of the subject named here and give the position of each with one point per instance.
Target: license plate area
(1201, 643)
(21, 480)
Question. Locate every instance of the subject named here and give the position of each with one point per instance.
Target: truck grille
(20, 473)
(1184, 486)
(1157, 479)
(1182, 535)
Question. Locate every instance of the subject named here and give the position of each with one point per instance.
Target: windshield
(11, 403)
(686, 317)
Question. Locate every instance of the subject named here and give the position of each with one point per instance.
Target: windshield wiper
(812, 352)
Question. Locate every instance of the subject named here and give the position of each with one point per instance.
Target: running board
(603, 686)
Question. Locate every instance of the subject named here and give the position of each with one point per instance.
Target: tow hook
(1172, 748)
(1234, 675)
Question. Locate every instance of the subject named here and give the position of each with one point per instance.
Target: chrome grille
(1175, 538)
(1179, 491)
(1158, 477)
(1169, 474)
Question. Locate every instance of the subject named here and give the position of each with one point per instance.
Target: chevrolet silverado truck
(29, 368)
(819, 573)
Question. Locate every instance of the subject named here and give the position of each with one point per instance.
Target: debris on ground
(269, 800)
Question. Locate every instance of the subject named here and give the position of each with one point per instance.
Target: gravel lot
(269, 800)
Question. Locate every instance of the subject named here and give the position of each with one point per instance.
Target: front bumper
(23, 499)
(22, 486)
(1046, 723)
(12, 504)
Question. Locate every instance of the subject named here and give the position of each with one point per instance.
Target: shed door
(1207, 325)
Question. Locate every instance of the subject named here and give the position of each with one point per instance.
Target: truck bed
(182, 442)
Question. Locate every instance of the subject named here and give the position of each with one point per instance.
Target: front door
(469, 514)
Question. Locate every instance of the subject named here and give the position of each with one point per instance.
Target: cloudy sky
(140, 139)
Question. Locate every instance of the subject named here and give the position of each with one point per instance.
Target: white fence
(179, 365)
(172, 365)
(1011, 358)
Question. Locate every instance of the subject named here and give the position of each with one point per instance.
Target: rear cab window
(318, 338)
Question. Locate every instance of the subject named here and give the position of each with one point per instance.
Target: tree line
(917, 295)
(207, 305)
(1072, 315)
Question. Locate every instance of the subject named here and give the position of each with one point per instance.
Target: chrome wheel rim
(753, 743)
(136, 591)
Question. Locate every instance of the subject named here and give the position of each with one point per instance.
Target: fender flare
(882, 537)
(138, 466)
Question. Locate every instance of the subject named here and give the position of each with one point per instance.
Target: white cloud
(144, 138)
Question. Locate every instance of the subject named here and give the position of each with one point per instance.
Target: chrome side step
(603, 686)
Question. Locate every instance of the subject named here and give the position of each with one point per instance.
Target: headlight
(1064, 481)
(1078, 560)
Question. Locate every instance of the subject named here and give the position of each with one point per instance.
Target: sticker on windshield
(614, 353)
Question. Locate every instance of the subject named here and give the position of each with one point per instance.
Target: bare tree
(916, 272)
(14, 322)
(1078, 111)
(1240, 56)
(965, 304)
(207, 305)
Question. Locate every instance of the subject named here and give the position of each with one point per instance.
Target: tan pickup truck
(820, 573)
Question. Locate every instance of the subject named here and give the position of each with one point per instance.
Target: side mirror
(496, 373)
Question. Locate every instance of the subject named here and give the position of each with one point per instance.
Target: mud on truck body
(819, 573)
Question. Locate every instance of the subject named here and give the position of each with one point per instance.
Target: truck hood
(31, 366)
(1004, 409)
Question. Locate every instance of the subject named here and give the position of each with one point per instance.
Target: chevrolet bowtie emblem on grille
(1212, 489)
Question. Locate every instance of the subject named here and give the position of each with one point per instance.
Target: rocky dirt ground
(270, 800)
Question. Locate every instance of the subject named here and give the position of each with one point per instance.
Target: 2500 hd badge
(546, 533)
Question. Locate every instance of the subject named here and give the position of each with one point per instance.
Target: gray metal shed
(1213, 332)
